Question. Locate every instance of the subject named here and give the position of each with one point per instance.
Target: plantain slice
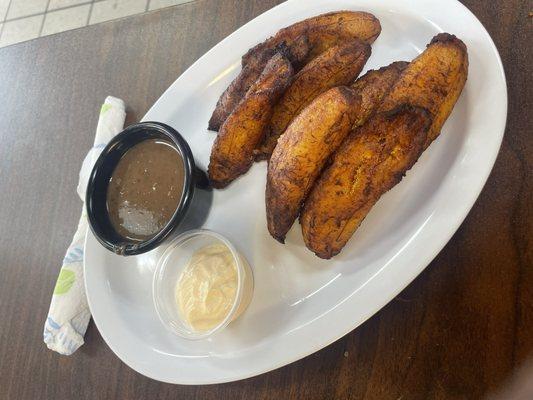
(300, 43)
(371, 160)
(373, 87)
(365, 97)
(323, 31)
(302, 152)
(374, 157)
(434, 80)
(235, 92)
(232, 152)
(339, 65)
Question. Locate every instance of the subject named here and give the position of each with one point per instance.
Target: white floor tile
(112, 9)
(21, 30)
(54, 4)
(155, 4)
(3, 8)
(21, 8)
(64, 20)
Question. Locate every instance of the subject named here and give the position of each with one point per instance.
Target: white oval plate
(302, 303)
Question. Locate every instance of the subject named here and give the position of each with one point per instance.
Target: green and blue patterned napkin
(69, 313)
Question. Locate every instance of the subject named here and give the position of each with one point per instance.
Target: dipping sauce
(206, 289)
(145, 189)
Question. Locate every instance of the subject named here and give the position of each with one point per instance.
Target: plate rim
(381, 301)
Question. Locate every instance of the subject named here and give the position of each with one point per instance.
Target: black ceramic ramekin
(192, 209)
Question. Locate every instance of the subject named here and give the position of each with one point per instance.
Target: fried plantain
(232, 152)
(339, 65)
(373, 87)
(323, 31)
(434, 80)
(301, 153)
(300, 43)
(375, 156)
(370, 161)
(235, 92)
(367, 92)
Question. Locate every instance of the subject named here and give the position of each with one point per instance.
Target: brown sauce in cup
(145, 189)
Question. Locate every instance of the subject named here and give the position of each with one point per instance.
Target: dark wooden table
(461, 330)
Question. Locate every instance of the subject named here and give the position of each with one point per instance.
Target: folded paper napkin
(69, 313)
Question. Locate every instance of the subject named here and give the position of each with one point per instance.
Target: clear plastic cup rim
(161, 267)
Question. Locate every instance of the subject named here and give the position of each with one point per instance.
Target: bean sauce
(145, 189)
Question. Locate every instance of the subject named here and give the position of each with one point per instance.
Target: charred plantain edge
(219, 184)
(400, 65)
(260, 156)
(347, 93)
(326, 255)
(408, 108)
(280, 239)
(447, 38)
(213, 127)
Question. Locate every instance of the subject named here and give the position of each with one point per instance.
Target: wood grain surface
(461, 330)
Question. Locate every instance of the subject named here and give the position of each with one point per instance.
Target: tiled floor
(22, 20)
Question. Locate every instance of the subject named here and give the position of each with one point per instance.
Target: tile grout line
(4, 19)
(44, 17)
(54, 10)
(89, 13)
(7, 11)
(48, 11)
(74, 6)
